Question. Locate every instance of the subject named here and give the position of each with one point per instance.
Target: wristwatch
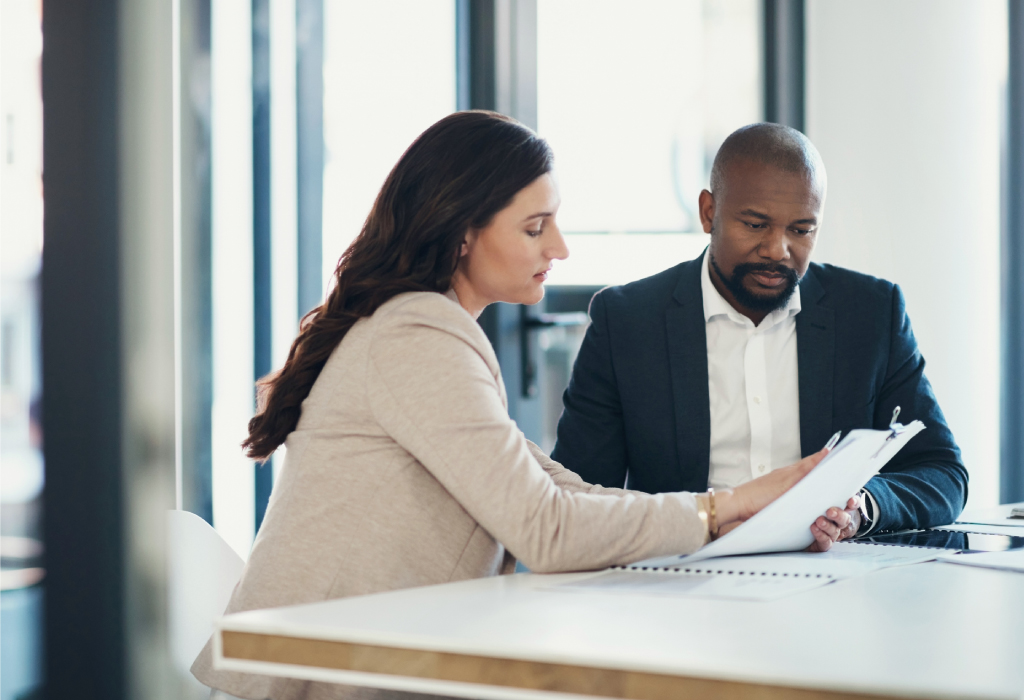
(867, 513)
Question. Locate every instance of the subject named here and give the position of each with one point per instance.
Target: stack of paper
(763, 577)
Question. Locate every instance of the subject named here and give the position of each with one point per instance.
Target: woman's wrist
(726, 507)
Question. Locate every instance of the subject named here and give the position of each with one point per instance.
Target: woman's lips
(542, 276)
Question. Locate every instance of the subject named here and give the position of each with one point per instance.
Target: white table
(926, 631)
(996, 515)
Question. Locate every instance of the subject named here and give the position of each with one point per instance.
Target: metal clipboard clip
(895, 430)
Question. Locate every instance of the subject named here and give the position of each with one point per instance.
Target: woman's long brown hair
(453, 179)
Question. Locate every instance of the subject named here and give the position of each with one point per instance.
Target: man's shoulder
(845, 286)
(655, 290)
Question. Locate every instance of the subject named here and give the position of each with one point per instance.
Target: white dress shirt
(753, 387)
(753, 384)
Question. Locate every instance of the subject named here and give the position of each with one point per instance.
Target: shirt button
(757, 399)
(760, 467)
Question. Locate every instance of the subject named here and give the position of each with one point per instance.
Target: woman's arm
(568, 479)
(434, 393)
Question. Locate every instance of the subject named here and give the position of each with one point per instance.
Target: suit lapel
(688, 367)
(816, 351)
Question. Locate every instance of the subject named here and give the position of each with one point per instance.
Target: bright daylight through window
(635, 99)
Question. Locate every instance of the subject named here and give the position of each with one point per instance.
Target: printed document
(784, 525)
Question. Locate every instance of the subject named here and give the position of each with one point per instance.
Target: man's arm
(925, 484)
(591, 435)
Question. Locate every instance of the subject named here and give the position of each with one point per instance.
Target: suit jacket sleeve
(591, 433)
(925, 484)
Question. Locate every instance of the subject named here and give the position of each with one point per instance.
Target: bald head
(768, 144)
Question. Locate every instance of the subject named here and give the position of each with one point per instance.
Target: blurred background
(206, 162)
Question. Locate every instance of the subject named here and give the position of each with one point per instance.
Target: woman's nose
(558, 250)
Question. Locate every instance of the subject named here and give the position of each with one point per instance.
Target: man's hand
(836, 525)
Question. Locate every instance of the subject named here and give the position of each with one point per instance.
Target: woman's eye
(534, 234)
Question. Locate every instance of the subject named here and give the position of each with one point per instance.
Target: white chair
(202, 572)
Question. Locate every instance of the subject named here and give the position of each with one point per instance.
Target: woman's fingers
(810, 462)
(802, 468)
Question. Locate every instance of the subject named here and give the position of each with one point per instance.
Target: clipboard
(784, 524)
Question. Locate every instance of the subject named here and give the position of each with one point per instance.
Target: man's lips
(769, 279)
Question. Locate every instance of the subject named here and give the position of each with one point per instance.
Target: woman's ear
(467, 242)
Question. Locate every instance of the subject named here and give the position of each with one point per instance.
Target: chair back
(202, 572)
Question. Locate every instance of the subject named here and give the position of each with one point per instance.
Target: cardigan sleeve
(432, 391)
(569, 480)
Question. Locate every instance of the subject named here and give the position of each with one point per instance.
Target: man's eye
(802, 231)
(756, 226)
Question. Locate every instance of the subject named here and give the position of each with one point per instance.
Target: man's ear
(706, 209)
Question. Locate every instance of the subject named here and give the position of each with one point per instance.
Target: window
(635, 99)
(389, 73)
(21, 459)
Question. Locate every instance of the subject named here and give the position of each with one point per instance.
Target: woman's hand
(835, 525)
(733, 506)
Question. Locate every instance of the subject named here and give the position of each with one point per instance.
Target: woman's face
(509, 259)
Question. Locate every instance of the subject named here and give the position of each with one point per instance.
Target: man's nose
(774, 245)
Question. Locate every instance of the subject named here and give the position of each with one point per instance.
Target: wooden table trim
(508, 673)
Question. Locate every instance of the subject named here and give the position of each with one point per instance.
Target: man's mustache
(744, 269)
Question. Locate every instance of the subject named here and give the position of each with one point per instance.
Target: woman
(403, 467)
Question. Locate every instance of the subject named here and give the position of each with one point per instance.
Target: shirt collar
(716, 305)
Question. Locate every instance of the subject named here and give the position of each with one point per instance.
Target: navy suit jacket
(637, 410)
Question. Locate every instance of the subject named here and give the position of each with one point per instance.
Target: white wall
(904, 102)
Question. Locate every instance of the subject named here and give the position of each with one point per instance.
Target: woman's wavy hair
(452, 180)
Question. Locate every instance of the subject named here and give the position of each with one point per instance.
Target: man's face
(763, 227)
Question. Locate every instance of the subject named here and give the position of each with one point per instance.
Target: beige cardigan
(406, 470)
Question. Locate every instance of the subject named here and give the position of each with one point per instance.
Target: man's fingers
(822, 542)
(828, 527)
(841, 518)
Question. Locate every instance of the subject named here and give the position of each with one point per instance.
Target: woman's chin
(535, 297)
(527, 297)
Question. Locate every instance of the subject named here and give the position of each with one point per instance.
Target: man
(723, 368)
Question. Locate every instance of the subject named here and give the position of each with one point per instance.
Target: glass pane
(21, 459)
(635, 99)
(389, 73)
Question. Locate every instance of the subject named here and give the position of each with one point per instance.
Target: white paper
(666, 583)
(1010, 560)
(758, 577)
(843, 560)
(784, 525)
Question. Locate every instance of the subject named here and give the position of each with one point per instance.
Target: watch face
(866, 515)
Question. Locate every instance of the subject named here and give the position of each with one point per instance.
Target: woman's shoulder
(416, 315)
(424, 309)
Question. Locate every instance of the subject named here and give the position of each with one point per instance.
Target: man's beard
(758, 302)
